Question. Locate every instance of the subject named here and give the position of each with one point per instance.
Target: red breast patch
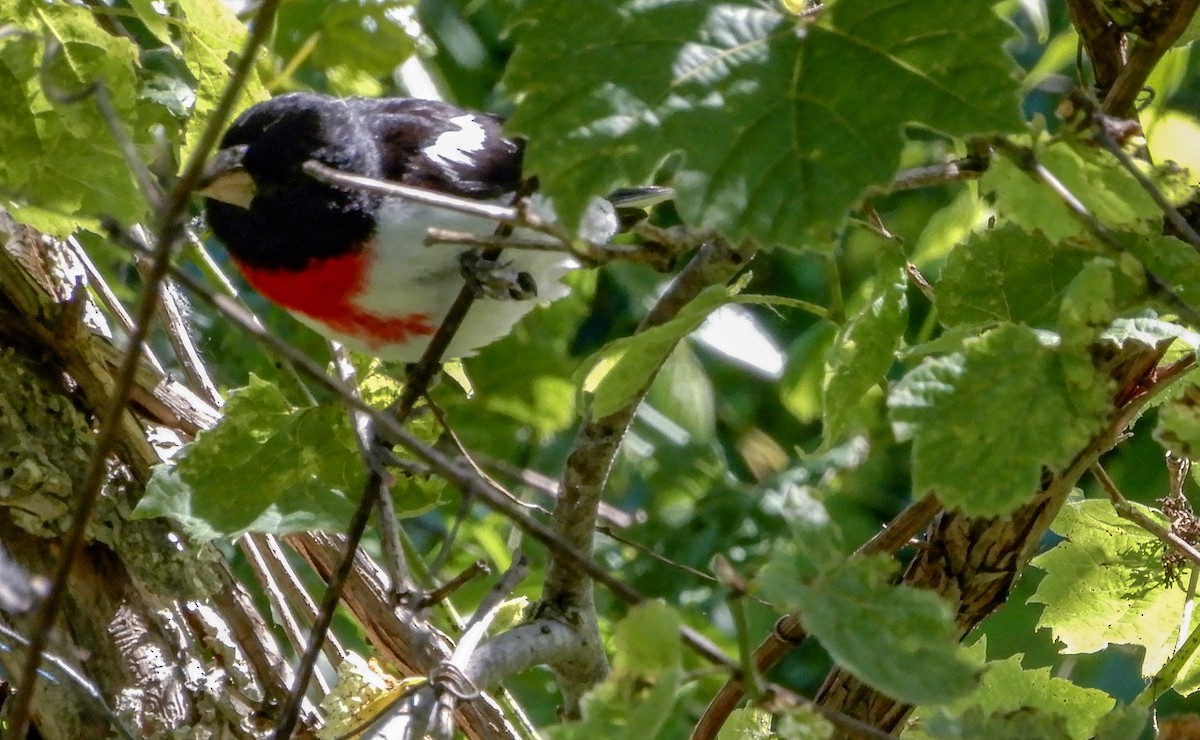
(325, 290)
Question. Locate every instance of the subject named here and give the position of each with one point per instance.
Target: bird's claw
(496, 279)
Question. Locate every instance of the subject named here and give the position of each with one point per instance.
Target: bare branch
(1173, 215)
(567, 592)
(1151, 45)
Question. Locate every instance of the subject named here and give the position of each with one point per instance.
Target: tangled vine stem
(169, 233)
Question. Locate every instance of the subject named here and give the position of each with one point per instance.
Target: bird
(352, 264)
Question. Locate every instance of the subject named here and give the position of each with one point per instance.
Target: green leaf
(639, 696)
(683, 392)
(1091, 175)
(778, 134)
(1007, 688)
(803, 723)
(1006, 274)
(1178, 427)
(747, 723)
(1176, 262)
(804, 373)
(815, 546)
(866, 346)
(1016, 724)
(1147, 333)
(1104, 585)
(371, 38)
(1088, 309)
(268, 467)
(59, 156)
(908, 627)
(646, 643)
(985, 421)
(617, 373)
(211, 37)
(1123, 723)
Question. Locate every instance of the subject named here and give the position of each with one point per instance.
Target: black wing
(437, 146)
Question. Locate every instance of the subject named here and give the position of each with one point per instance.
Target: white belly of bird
(419, 279)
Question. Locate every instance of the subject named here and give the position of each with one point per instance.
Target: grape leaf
(1176, 262)
(866, 346)
(268, 467)
(1015, 724)
(986, 420)
(909, 627)
(211, 37)
(1005, 274)
(59, 156)
(804, 372)
(1104, 585)
(747, 723)
(615, 374)
(778, 135)
(372, 38)
(1091, 175)
(647, 652)
(1008, 688)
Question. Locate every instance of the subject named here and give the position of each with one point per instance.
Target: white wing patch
(455, 146)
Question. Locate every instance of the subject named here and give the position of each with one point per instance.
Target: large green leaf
(268, 467)
(779, 135)
(908, 627)
(1007, 689)
(1006, 274)
(59, 157)
(211, 37)
(986, 420)
(1105, 585)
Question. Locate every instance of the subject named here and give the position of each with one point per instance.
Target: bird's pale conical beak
(226, 179)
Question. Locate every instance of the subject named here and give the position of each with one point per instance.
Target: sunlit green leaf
(1105, 585)
(986, 420)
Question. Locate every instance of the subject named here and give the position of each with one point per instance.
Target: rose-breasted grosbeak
(352, 264)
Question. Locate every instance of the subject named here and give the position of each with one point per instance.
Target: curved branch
(567, 593)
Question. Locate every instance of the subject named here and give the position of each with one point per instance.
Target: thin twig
(73, 678)
(109, 299)
(1172, 213)
(387, 425)
(257, 558)
(401, 586)
(169, 232)
(444, 591)
(510, 215)
(172, 315)
(1126, 510)
(449, 237)
(419, 377)
(289, 582)
(933, 175)
(1025, 160)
